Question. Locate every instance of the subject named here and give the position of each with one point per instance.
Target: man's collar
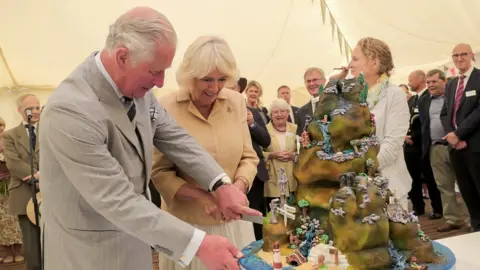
(107, 76)
(469, 72)
(421, 92)
(25, 123)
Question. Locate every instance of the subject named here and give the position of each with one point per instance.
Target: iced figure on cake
(282, 185)
(305, 139)
(273, 211)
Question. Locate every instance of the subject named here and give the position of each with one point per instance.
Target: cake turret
(277, 258)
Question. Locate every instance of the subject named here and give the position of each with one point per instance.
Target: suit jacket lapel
(453, 93)
(468, 86)
(291, 132)
(22, 136)
(113, 105)
(274, 143)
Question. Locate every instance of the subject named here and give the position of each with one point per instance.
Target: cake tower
(342, 200)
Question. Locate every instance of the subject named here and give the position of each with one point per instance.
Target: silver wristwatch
(223, 181)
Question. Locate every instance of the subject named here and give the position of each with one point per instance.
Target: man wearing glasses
(460, 117)
(313, 78)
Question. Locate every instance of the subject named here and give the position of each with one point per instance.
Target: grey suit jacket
(95, 176)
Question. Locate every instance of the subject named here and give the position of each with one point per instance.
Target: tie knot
(462, 77)
(127, 99)
(27, 126)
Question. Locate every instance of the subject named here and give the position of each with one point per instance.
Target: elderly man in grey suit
(96, 144)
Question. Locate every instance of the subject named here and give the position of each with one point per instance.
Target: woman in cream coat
(217, 118)
(281, 152)
(387, 102)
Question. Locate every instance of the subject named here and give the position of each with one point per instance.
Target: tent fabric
(421, 34)
(274, 41)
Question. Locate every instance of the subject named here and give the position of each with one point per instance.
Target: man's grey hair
(141, 34)
(21, 98)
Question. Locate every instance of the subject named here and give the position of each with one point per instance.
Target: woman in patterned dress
(10, 235)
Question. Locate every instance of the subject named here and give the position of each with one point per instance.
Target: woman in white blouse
(386, 101)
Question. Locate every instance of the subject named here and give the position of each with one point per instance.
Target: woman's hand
(209, 203)
(194, 192)
(285, 156)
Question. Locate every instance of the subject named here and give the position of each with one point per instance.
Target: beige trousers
(453, 210)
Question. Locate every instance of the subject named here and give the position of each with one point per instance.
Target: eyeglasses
(463, 55)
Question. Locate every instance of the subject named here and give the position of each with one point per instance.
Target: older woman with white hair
(217, 118)
(280, 155)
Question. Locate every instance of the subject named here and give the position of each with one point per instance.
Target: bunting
(343, 44)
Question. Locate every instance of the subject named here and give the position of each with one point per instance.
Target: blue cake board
(252, 262)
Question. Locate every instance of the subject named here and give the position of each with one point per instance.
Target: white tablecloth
(466, 249)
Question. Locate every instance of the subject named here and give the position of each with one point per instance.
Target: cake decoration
(343, 215)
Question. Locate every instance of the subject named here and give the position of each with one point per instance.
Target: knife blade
(253, 219)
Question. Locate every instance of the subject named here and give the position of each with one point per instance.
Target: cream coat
(274, 165)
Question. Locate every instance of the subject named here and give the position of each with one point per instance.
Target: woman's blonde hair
(374, 48)
(2, 122)
(205, 55)
(260, 91)
(279, 104)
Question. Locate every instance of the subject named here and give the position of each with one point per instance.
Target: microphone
(28, 112)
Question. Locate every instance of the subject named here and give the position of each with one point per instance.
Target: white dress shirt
(198, 235)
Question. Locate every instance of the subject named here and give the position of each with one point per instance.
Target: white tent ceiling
(274, 40)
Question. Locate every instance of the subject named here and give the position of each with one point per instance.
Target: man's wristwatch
(222, 182)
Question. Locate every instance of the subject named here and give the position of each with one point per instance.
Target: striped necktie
(458, 97)
(133, 110)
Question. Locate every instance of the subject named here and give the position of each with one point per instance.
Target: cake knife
(253, 219)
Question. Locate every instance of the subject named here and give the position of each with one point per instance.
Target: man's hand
(217, 253)
(408, 140)
(451, 138)
(460, 145)
(233, 203)
(28, 177)
(250, 119)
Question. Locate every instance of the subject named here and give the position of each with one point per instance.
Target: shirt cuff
(216, 180)
(192, 248)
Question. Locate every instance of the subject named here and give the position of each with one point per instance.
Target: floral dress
(9, 228)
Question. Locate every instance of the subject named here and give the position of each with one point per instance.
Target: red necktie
(458, 97)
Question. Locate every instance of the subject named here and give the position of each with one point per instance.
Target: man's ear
(121, 57)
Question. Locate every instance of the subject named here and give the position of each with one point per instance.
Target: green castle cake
(342, 202)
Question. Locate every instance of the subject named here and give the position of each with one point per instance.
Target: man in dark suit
(260, 139)
(313, 78)
(416, 165)
(285, 93)
(461, 120)
(434, 147)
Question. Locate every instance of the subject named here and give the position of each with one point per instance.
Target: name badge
(415, 110)
(471, 93)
